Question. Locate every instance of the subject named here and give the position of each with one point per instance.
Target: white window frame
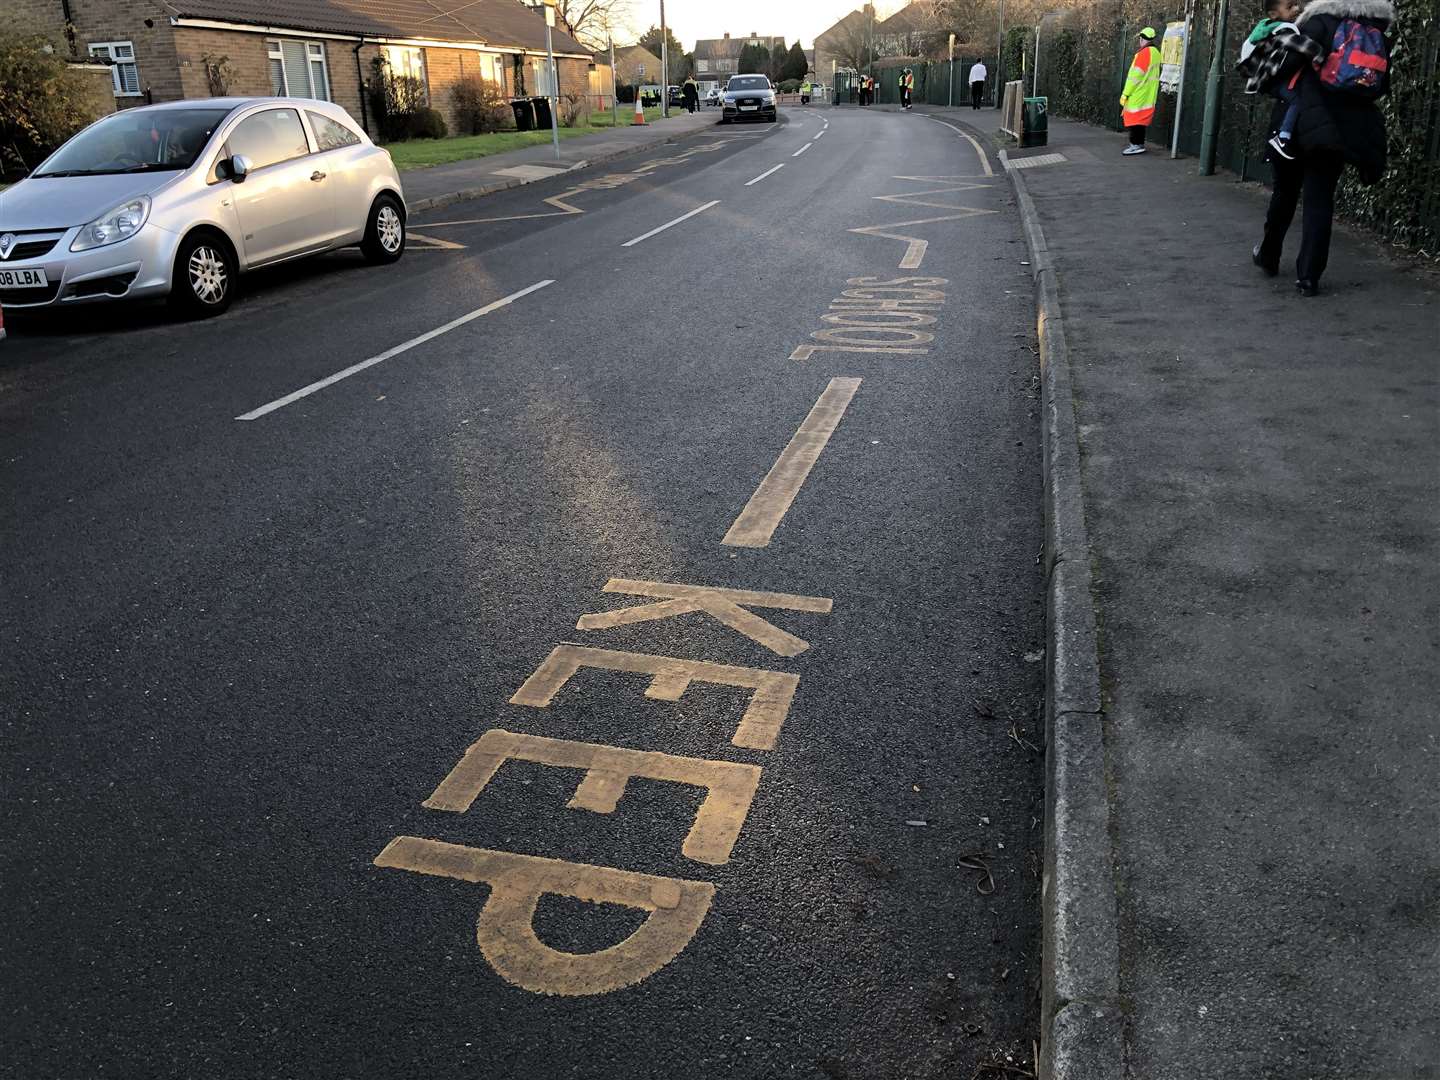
(314, 55)
(106, 49)
(412, 63)
(702, 66)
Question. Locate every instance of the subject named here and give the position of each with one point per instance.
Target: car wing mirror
(237, 168)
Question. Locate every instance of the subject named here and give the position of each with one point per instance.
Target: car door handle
(317, 176)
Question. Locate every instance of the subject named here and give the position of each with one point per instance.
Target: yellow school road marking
(729, 787)
(984, 160)
(725, 605)
(505, 929)
(917, 246)
(763, 513)
(430, 243)
(758, 729)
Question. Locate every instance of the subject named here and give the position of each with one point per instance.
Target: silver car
(179, 199)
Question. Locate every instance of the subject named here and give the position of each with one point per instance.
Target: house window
(297, 69)
(123, 71)
(702, 66)
(499, 76)
(406, 61)
(540, 70)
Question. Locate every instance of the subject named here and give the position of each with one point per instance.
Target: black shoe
(1308, 287)
(1270, 271)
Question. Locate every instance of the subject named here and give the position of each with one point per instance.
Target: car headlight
(729, 99)
(110, 228)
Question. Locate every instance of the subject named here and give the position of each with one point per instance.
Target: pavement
(246, 658)
(1257, 486)
(441, 185)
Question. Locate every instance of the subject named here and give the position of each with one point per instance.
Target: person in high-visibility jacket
(907, 87)
(1142, 89)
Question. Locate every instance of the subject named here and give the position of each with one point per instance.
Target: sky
(790, 19)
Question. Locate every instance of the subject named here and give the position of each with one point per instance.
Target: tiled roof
(501, 23)
(729, 48)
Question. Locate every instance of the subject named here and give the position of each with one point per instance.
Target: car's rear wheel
(385, 231)
(205, 277)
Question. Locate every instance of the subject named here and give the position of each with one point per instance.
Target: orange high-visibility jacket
(1142, 88)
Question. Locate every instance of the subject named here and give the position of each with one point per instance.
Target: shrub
(480, 107)
(790, 86)
(426, 123)
(396, 101)
(574, 111)
(42, 101)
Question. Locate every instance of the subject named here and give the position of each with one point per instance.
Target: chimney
(727, 37)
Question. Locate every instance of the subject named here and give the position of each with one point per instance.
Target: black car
(748, 97)
(677, 98)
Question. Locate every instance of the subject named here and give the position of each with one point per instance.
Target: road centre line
(764, 174)
(802, 149)
(984, 161)
(772, 499)
(818, 134)
(330, 380)
(669, 224)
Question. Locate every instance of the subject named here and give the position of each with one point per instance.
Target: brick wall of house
(117, 20)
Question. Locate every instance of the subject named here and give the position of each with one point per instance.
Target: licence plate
(748, 108)
(23, 279)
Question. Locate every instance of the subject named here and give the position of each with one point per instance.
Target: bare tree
(590, 21)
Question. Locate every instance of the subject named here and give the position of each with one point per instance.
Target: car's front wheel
(385, 231)
(204, 280)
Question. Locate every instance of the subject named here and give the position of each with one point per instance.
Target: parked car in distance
(676, 97)
(748, 97)
(713, 97)
(181, 198)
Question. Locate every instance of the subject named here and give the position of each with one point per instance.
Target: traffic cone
(639, 111)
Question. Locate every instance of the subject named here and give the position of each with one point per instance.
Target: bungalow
(164, 50)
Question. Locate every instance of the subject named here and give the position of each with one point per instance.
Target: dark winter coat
(1346, 126)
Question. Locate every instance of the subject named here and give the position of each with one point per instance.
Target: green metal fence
(1082, 70)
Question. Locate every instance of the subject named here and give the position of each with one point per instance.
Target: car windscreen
(137, 140)
(757, 82)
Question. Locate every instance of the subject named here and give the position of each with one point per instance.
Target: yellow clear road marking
(671, 224)
(759, 726)
(562, 209)
(406, 346)
(505, 930)
(984, 160)
(725, 605)
(431, 243)
(763, 513)
(915, 246)
(729, 787)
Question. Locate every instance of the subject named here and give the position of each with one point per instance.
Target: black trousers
(1316, 176)
(977, 91)
(1137, 134)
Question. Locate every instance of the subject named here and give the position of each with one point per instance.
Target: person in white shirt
(978, 75)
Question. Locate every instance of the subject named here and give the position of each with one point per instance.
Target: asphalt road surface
(262, 817)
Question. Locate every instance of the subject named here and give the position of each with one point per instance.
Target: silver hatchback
(179, 199)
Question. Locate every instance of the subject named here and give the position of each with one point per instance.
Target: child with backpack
(1265, 56)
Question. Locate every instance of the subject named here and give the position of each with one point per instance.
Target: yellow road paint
(758, 729)
(730, 787)
(505, 929)
(763, 513)
(804, 352)
(915, 246)
(873, 306)
(725, 605)
(430, 243)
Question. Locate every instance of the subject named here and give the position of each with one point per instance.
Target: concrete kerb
(1082, 1035)
(435, 202)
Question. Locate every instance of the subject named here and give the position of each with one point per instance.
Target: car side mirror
(237, 168)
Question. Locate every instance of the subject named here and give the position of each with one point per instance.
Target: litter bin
(1036, 129)
(542, 113)
(524, 114)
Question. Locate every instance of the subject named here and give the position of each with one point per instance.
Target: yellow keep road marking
(729, 786)
(916, 247)
(758, 729)
(431, 243)
(505, 931)
(725, 605)
(763, 513)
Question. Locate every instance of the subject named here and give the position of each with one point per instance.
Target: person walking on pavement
(1142, 89)
(690, 94)
(1338, 123)
(907, 87)
(978, 75)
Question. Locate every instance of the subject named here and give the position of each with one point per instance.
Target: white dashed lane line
(767, 172)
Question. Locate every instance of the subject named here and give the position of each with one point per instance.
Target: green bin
(1036, 129)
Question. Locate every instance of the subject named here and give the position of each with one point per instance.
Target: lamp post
(1040, 23)
(664, 64)
(999, 55)
(1209, 126)
(554, 87)
(614, 108)
(950, 98)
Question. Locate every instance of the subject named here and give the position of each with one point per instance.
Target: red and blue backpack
(1359, 61)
